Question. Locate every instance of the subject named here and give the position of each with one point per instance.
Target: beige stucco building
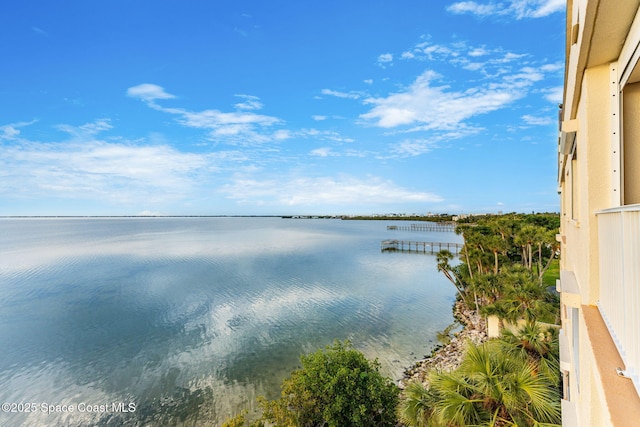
(599, 185)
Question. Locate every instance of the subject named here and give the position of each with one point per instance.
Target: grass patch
(552, 273)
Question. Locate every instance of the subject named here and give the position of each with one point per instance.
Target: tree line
(513, 380)
(504, 260)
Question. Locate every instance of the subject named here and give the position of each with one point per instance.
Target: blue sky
(279, 107)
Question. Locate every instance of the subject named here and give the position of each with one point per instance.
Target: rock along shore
(449, 356)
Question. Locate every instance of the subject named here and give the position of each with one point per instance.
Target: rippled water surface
(189, 319)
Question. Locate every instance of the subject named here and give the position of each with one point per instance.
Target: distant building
(599, 184)
(461, 216)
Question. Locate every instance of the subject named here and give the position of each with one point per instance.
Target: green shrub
(336, 387)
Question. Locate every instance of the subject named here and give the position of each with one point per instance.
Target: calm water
(190, 319)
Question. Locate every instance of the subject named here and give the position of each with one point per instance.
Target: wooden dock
(434, 226)
(422, 247)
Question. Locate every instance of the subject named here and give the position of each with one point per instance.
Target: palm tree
(525, 238)
(442, 258)
(460, 230)
(490, 388)
(487, 286)
(497, 246)
(537, 343)
(521, 297)
(474, 249)
(504, 226)
(534, 340)
(416, 406)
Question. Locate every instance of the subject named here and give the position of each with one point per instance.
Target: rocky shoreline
(449, 356)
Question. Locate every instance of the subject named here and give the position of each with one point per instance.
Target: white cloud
(490, 62)
(510, 57)
(478, 51)
(342, 190)
(537, 120)
(321, 152)
(412, 148)
(87, 129)
(338, 94)
(385, 59)
(428, 106)
(241, 127)
(517, 8)
(250, 103)
(9, 132)
(419, 146)
(525, 76)
(349, 152)
(552, 67)
(213, 119)
(86, 167)
(436, 107)
(282, 134)
(229, 129)
(474, 8)
(474, 66)
(555, 94)
(236, 127)
(324, 135)
(12, 130)
(429, 51)
(148, 92)
(550, 6)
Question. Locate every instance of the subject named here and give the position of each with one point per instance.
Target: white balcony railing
(619, 302)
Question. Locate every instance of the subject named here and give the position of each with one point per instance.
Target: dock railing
(431, 226)
(423, 247)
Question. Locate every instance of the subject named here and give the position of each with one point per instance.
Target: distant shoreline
(440, 218)
(141, 216)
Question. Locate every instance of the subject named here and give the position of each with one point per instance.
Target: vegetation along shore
(500, 369)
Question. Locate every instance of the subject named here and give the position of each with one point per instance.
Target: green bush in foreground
(336, 387)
